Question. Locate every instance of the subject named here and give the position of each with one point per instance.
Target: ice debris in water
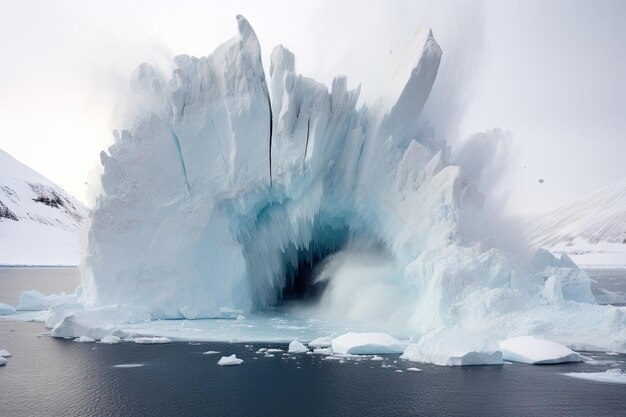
(6, 309)
(367, 344)
(614, 376)
(532, 350)
(321, 342)
(33, 300)
(210, 352)
(110, 339)
(152, 340)
(297, 347)
(84, 339)
(3, 361)
(5, 353)
(454, 347)
(230, 360)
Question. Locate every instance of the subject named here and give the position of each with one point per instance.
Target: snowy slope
(592, 230)
(39, 222)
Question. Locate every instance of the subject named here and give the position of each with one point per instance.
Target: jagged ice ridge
(228, 182)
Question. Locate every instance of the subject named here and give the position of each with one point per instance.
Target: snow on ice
(532, 350)
(297, 347)
(84, 339)
(230, 360)
(6, 309)
(152, 340)
(367, 344)
(454, 347)
(614, 376)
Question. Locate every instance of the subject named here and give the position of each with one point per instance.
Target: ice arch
(227, 182)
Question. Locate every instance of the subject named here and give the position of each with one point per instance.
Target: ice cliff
(229, 183)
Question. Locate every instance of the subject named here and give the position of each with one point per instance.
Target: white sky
(551, 72)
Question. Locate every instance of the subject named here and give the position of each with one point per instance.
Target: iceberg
(5, 353)
(152, 340)
(3, 361)
(6, 310)
(367, 344)
(613, 376)
(230, 360)
(532, 350)
(454, 347)
(232, 192)
(297, 347)
(84, 339)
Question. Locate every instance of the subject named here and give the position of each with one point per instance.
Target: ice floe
(614, 376)
(367, 344)
(230, 360)
(454, 347)
(532, 350)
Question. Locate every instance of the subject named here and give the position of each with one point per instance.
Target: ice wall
(213, 197)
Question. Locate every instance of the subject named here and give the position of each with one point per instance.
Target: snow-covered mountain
(592, 230)
(39, 222)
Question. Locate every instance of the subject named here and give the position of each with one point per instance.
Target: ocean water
(52, 377)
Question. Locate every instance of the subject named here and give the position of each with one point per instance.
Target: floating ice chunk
(333, 358)
(152, 340)
(241, 317)
(322, 351)
(321, 342)
(377, 358)
(531, 350)
(414, 369)
(129, 365)
(3, 361)
(454, 347)
(230, 360)
(614, 376)
(110, 339)
(33, 300)
(6, 309)
(188, 312)
(210, 352)
(5, 353)
(84, 339)
(367, 344)
(98, 322)
(297, 347)
(274, 351)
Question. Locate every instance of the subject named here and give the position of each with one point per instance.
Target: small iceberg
(6, 310)
(297, 347)
(84, 339)
(613, 376)
(110, 339)
(152, 340)
(321, 342)
(367, 344)
(230, 360)
(454, 347)
(535, 351)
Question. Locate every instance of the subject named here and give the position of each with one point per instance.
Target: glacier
(230, 186)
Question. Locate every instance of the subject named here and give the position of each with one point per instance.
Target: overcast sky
(550, 72)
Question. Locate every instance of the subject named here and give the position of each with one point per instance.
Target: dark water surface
(52, 377)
